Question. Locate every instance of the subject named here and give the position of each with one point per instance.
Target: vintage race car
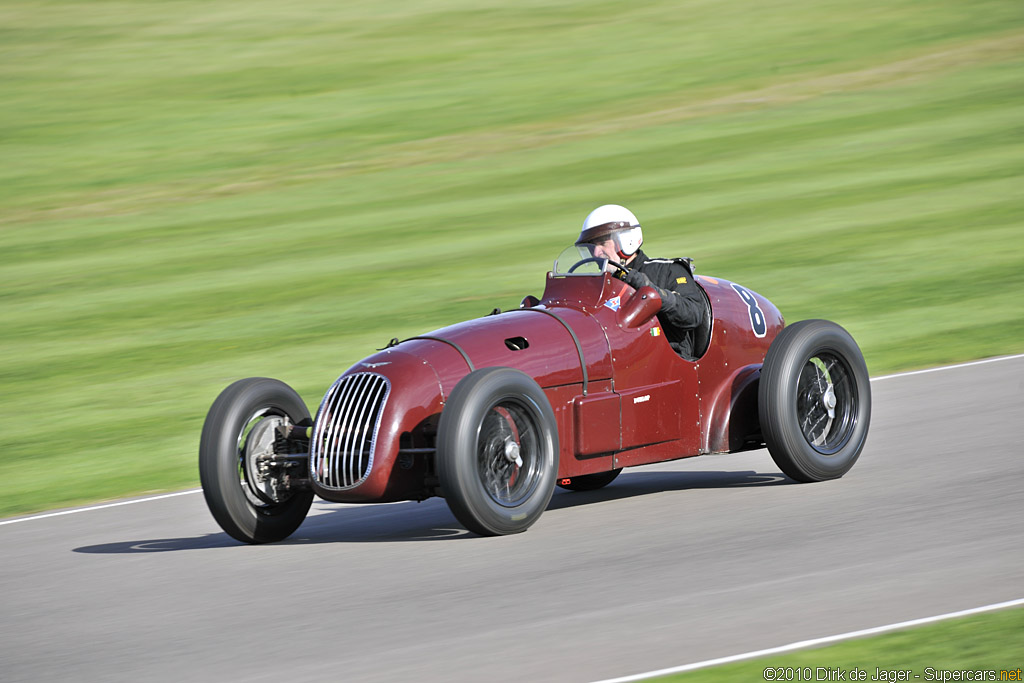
(567, 390)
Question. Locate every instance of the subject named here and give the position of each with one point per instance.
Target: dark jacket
(683, 306)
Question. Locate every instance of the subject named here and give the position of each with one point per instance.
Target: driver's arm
(682, 306)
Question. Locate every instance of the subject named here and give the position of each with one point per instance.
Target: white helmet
(617, 222)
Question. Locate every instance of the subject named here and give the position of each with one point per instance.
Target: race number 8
(757, 321)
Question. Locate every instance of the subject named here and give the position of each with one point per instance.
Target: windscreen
(579, 259)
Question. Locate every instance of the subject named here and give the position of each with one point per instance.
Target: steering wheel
(595, 259)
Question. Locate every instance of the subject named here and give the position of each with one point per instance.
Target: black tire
(589, 482)
(814, 401)
(494, 416)
(245, 509)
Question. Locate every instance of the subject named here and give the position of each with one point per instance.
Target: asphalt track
(671, 564)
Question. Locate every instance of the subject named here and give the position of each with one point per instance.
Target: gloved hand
(636, 279)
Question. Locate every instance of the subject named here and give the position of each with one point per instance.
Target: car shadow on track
(432, 521)
(633, 484)
(159, 545)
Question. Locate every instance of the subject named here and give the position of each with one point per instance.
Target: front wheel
(239, 434)
(497, 451)
(814, 401)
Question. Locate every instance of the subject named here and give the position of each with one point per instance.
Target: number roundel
(757, 321)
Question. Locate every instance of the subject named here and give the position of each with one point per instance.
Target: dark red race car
(493, 413)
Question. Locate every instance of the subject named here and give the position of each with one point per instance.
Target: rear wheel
(239, 433)
(497, 451)
(814, 401)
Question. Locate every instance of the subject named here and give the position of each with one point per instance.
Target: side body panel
(649, 408)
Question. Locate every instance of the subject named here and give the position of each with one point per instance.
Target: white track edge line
(814, 642)
(104, 506)
(948, 367)
(184, 493)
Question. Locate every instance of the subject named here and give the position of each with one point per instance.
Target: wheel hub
(829, 399)
(512, 452)
(821, 402)
(258, 444)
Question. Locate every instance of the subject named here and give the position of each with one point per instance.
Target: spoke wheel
(826, 403)
(814, 400)
(509, 453)
(497, 451)
(239, 431)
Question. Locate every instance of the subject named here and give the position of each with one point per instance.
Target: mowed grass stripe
(302, 279)
(938, 57)
(239, 293)
(236, 281)
(162, 249)
(804, 134)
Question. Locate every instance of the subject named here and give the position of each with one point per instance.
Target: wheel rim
(509, 452)
(255, 440)
(826, 402)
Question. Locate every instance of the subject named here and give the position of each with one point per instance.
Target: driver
(615, 234)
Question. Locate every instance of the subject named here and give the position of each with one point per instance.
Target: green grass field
(195, 192)
(986, 643)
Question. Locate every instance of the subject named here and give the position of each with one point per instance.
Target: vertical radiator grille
(345, 433)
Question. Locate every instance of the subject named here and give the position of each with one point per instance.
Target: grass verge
(988, 643)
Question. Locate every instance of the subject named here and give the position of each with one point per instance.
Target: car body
(620, 394)
(569, 389)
